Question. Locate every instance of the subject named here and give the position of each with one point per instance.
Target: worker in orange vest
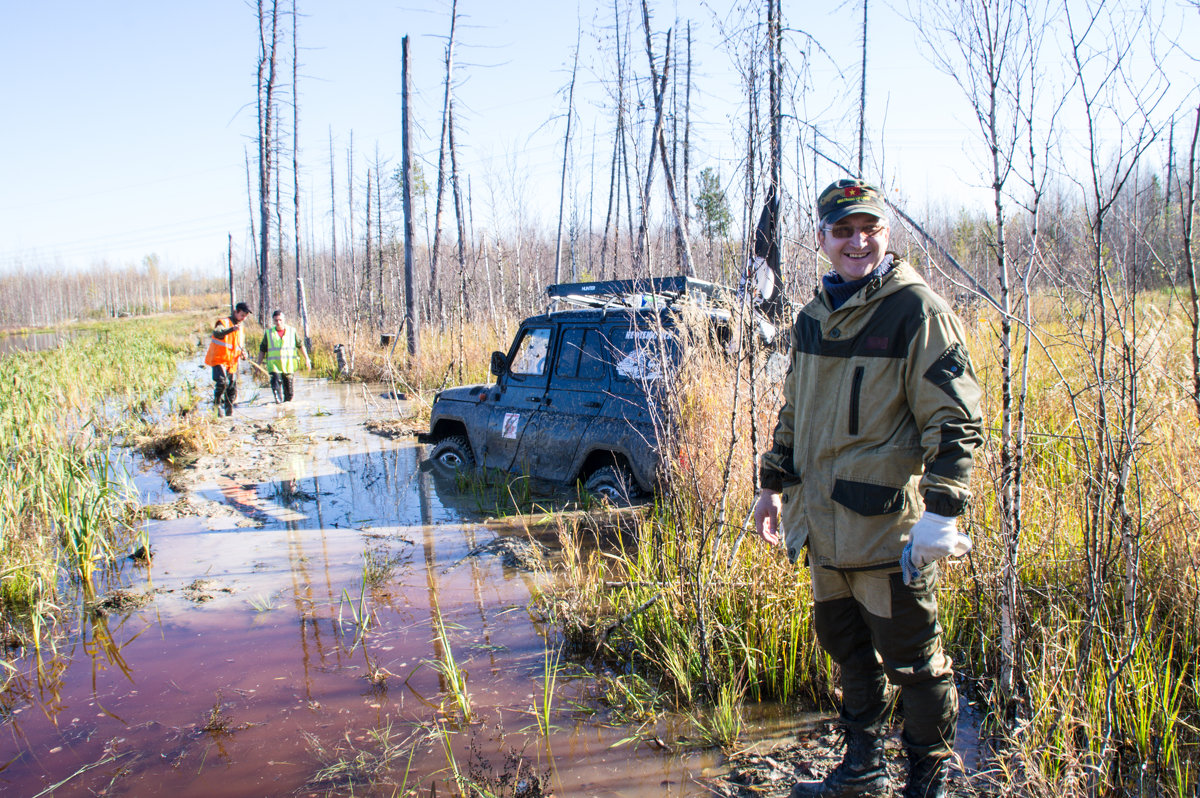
(227, 347)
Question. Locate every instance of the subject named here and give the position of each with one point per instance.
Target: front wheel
(453, 454)
(613, 483)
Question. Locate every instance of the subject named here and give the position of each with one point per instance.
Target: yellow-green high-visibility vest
(281, 350)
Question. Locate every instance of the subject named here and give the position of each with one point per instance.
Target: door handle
(592, 404)
(537, 400)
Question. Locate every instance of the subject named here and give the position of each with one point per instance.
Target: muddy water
(250, 657)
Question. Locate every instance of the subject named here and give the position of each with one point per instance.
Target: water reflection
(30, 342)
(303, 619)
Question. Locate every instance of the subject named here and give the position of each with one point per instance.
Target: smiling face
(855, 245)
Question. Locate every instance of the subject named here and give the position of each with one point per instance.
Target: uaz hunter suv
(577, 398)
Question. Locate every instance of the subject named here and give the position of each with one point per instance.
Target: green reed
(454, 678)
(66, 505)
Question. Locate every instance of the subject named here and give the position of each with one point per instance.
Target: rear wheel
(613, 483)
(453, 454)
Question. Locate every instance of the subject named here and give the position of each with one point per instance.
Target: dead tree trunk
(368, 283)
(862, 91)
(462, 234)
(229, 261)
(562, 183)
(333, 259)
(410, 289)
(687, 122)
(641, 258)
(774, 306)
(435, 289)
(267, 51)
(1188, 211)
(381, 310)
(250, 203)
(659, 142)
(301, 306)
(351, 270)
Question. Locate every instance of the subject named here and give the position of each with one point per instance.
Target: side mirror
(499, 364)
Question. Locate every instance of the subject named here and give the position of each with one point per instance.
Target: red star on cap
(852, 191)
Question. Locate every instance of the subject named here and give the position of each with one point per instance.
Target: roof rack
(639, 293)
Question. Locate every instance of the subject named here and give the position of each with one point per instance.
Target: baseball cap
(243, 307)
(846, 196)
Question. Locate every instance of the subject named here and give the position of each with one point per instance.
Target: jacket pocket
(792, 519)
(866, 498)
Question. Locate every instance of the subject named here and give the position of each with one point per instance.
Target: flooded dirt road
(292, 634)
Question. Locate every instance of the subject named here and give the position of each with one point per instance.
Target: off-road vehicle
(578, 396)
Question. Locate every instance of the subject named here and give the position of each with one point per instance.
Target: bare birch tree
(1117, 103)
(983, 45)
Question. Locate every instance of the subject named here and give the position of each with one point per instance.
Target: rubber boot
(218, 396)
(861, 772)
(926, 777)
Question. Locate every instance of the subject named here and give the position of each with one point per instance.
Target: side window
(530, 357)
(592, 364)
(641, 355)
(568, 352)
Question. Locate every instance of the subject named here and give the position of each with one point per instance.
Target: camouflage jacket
(879, 422)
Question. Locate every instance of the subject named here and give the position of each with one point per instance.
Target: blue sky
(127, 123)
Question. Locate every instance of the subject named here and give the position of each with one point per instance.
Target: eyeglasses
(849, 230)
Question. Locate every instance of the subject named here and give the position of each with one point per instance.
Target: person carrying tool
(867, 475)
(225, 349)
(279, 346)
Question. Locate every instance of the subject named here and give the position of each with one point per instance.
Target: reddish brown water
(236, 694)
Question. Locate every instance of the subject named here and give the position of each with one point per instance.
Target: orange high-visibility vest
(225, 353)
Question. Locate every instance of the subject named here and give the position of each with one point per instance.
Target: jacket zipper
(855, 391)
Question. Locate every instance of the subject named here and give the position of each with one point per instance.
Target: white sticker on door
(510, 425)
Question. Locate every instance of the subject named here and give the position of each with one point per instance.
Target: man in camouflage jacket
(868, 471)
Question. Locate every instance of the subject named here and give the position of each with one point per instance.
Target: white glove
(932, 538)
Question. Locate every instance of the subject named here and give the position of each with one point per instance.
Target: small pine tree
(712, 209)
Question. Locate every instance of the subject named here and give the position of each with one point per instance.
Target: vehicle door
(578, 388)
(521, 390)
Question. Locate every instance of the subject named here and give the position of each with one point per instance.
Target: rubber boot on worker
(861, 772)
(926, 776)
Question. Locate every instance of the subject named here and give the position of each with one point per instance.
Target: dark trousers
(224, 389)
(281, 386)
(905, 649)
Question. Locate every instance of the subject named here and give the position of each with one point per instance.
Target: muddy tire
(453, 454)
(614, 484)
